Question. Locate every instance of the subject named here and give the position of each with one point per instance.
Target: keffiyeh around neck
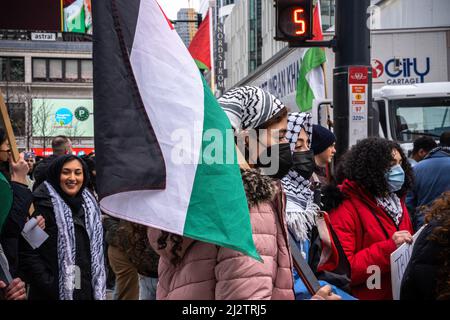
(301, 210)
(249, 107)
(66, 245)
(393, 207)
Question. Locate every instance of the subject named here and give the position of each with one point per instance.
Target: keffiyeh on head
(249, 107)
(296, 122)
(300, 210)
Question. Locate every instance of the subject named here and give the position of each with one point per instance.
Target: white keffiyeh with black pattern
(249, 107)
(68, 272)
(300, 207)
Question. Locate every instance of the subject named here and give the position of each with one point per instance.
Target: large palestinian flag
(152, 108)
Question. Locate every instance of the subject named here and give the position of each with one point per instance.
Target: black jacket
(14, 224)
(419, 279)
(39, 267)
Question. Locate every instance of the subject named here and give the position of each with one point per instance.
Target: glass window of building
(71, 70)
(12, 69)
(86, 70)
(39, 69)
(255, 34)
(327, 8)
(17, 115)
(55, 68)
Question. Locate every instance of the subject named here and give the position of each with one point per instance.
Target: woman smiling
(70, 263)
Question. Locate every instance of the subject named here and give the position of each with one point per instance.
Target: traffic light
(294, 20)
(199, 19)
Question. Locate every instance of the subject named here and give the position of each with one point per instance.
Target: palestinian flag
(200, 47)
(311, 79)
(6, 199)
(153, 113)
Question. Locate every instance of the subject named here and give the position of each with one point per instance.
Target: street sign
(358, 96)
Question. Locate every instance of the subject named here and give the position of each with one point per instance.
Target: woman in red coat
(372, 221)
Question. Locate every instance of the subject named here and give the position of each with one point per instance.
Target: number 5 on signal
(300, 21)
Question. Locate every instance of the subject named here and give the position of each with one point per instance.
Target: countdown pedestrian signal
(294, 20)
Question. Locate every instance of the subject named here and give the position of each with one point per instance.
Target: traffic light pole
(352, 76)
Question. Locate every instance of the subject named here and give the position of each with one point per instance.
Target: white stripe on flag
(172, 91)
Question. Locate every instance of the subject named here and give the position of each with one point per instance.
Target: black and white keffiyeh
(66, 245)
(392, 205)
(300, 207)
(249, 107)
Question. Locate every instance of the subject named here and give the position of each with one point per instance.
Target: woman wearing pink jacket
(191, 269)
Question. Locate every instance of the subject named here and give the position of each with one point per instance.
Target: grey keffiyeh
(392, 205)
(300, 210)
(249, 107)
(68, 272)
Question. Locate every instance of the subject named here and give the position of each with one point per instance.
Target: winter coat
(131, 239)
(365, 232)
(431, 179)
(39, 267)
(210, 272)
(11, 231)
(425, 260)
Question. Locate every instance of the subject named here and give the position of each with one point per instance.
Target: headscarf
(53, 177)
(249, 107)
(300, 210)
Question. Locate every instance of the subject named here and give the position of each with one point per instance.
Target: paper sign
(34, 234)
(399, 261)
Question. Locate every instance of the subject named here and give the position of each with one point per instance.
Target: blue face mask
(395, 178)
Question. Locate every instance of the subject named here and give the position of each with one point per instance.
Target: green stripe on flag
(218, 209)
(201, 65)
(312, 59)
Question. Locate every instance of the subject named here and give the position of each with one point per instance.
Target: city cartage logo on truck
(402, 70)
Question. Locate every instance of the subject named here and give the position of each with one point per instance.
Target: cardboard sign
(399, 261)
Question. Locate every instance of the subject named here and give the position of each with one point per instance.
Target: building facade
(48, 88)
(253, 53)
(187, 25)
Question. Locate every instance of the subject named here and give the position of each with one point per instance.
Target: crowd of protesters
(342, 221)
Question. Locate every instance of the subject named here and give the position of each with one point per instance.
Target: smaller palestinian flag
(200, 47)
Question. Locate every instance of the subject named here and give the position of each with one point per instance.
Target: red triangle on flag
(200, 47)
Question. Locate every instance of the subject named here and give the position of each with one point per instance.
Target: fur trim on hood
(258, 188)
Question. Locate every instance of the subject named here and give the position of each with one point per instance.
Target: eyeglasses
(9, 150)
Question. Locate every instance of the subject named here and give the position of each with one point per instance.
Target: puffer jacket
(365, 232)
(210, 272)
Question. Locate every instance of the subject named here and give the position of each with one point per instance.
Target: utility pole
(352, 76)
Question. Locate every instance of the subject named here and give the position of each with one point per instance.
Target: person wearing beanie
(323, 145)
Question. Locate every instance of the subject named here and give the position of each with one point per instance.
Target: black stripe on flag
(128, 155)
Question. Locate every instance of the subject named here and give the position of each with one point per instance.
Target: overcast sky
(171, 7)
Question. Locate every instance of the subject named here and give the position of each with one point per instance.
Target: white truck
(402, 113)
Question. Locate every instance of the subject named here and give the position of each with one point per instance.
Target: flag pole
(8, 128)
(211, 29)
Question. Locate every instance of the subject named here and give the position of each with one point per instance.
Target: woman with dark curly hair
(430, 256)
(372, 221)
